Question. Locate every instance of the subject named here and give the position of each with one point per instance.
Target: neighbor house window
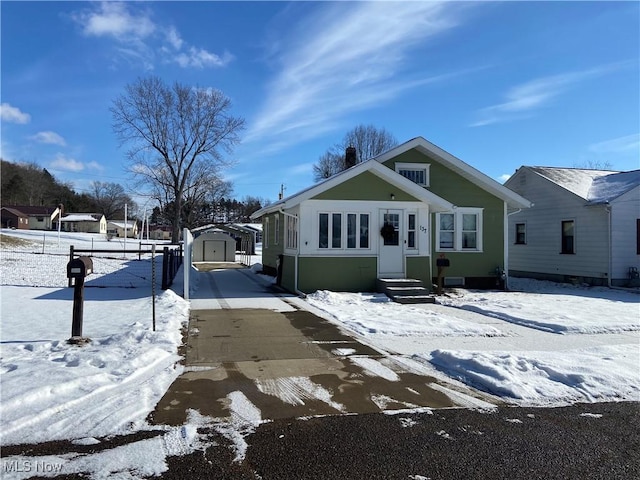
(568, 236)
(411, 231)
(265, 236)
(276, 236)
(416, 172)
(292, 232)
(357, 230)
(521, 234)
(460, 231)
(330, 230)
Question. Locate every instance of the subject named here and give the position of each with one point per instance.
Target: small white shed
(214, 247)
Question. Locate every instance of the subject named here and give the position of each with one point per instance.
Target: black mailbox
(79, 267)
(442, 262)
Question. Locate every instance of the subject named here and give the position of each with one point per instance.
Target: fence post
(165, 267)
(153, 285)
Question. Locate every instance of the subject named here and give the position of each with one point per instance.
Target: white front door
(391, 262)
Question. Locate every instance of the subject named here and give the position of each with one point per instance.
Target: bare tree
(172, 131)
(110, 198)
(368, 141)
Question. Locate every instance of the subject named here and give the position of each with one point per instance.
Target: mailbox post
(77, 270)
(441, 263)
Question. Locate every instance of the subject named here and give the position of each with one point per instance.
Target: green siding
(365, 186)
(289, 273)
(271, 252)
(447, 184)
(339, 274)
(418, 268)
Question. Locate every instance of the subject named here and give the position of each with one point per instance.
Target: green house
(391, 217)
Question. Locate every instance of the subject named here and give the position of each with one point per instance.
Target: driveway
(250, 346)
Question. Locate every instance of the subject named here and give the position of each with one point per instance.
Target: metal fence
(111, 268)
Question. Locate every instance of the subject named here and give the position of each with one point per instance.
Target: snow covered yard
(545, 344)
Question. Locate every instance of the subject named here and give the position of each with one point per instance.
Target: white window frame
(291, 226)
(330, 216)
(265, 236)
(416, 167)
(457, 232)
(413, 230)
(276, 238)
(358, 228)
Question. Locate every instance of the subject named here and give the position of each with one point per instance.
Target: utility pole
(281, 194)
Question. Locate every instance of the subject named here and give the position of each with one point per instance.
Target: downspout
(295, 263)
(506, 244)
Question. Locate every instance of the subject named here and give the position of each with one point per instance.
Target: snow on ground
(571, 309)
(546, 344)
(368, 313)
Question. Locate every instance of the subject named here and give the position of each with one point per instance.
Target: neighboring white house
(584, 225)
(84, 222)
(116, 228)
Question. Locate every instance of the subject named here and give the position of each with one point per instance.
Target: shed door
(214, 251)
(391, 264)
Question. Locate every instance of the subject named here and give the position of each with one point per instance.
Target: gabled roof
(14, 211)
(32, 211)
(121, 224)
(594, 186)
(82, 217)
(461, 168)
(435, 202)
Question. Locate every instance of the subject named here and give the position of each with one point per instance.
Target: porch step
(405, 291)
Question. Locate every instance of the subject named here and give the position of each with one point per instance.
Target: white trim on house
(435, 202)
(463, 169)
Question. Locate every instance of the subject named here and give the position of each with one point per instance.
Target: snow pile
(557, 308)
(544, 345)
(373, 313)
(607, 373)
(53, 390)
(142, 459)
(245, 418)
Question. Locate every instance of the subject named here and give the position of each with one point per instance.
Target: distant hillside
(30, 184)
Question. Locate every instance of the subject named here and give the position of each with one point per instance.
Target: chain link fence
(113, 269)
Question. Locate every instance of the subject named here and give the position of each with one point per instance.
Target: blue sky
(499, 85)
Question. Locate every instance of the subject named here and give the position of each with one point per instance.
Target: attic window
(418, 173)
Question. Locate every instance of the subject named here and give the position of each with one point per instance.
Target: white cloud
(523, 99)
(63, 162)
(629, 143)
(504, 177)
(114, 19)
(13, 114)
(49, 137)
(141, 40)
(173, 37)
(94, 166)
(200, 58)
(346, 57)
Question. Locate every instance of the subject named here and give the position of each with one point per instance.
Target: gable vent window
(416, 172)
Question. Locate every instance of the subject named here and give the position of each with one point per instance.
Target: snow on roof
(121, 224)
(79, 217)
(609, 187)
(595, 186)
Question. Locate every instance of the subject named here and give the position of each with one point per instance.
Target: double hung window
(460, 230)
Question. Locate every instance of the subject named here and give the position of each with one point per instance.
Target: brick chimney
(350, 157)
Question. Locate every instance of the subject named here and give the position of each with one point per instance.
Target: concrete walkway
(246, 337)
